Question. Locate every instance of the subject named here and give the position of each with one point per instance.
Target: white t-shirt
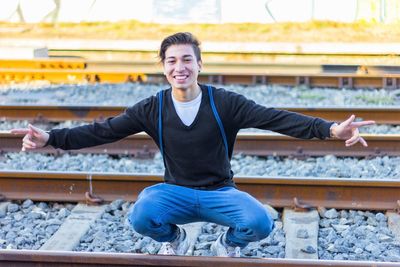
(187, 111)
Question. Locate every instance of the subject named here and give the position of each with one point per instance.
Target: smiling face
(181, 67)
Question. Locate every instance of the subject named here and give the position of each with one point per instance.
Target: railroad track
(308, 74)
(280, 192)
(259, 144)
(68, 259)
(381, 115)
(372, 194)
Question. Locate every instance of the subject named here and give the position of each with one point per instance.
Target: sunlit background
(199, 11)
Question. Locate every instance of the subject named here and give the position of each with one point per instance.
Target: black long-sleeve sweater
(194, 156)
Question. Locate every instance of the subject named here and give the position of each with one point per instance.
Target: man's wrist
(331, 133)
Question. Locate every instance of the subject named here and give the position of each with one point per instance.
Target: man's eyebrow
(184, 56)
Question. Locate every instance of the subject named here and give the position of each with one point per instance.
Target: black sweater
(194, 156)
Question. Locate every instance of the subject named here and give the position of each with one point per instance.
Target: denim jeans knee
(139, 219)
(261, 223)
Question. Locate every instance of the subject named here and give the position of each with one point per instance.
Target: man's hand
(34, 137)
(348, 130)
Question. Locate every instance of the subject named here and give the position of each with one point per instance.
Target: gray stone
(384, 238)
(12, 207)
(152, 248)
(56, 222)
(302, 233)
(340, 228)
(308, 250)
(43, 206)
(358, 250)
(18, 217)
(372, 221)
(372, 248)
(380, 217)
(272, 249)
(27, 203)
(19, 241)
(344, 221)
(63, 213)
(116, 204)
(331, 214)
(203, 246)
(344, 214)
(339, 257)
(11, 236)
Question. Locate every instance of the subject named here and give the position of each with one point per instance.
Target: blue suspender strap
(221, 127)
(160, 139)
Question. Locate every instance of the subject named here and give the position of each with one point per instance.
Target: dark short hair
(178, 39)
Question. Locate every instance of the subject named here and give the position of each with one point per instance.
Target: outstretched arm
(348, 130)
(34, 137)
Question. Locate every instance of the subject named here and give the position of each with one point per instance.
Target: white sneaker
(220, 249)
(166, 249)
(177, 247)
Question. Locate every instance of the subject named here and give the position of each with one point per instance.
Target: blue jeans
(160, 207)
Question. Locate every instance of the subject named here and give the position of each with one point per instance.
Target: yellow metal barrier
(50, 63)
(69, 76)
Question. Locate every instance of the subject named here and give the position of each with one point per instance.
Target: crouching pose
(195, 127)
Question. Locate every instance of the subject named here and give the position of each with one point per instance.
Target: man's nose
(179, 65)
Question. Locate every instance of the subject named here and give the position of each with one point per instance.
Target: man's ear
(200, 64)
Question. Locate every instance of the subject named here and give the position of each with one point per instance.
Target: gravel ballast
(327, 166)
(343, 234)
(28, 225)
(127, 94)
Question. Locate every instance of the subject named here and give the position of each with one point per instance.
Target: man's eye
(170, 62)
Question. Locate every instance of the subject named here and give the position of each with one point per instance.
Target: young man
(195, 127)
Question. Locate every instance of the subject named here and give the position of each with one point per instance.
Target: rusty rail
(336, 80)
(67, 70)
(382, 115)
(278, 192)
(258, 144)
(372, 194)
(22, 258)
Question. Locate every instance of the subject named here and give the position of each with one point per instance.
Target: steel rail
(258, 144)
(310, 74)
(221, 76)
(339, 193)
(22, 258)
(382, 115)
(222, 67)
(303, 58)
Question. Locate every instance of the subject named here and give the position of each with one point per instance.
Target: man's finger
(31, 130)
(362, 123)
(28, 142)
(363, 142)
(348, 121)
(19, 131)
(354, 137)
(351, 142)
(35, 131)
